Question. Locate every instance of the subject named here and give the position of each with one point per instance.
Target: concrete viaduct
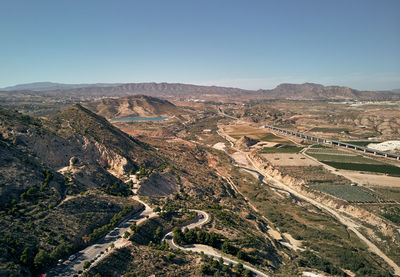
(323, 140)
(334, 142)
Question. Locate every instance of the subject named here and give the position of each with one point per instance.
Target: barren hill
(100, 149)
(133, 106)
(310, 91)
(152, 89)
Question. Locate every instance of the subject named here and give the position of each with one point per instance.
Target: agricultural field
(378, 168)
(371, 179)
(238, 131)
(282, 149)
(388, 193)
(343, 158)
(361, 143)
(289, 159)
(322, 149)
(349, 193)
(347, 161)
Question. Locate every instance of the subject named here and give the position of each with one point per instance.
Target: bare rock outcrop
(245, 142)
(158, 184)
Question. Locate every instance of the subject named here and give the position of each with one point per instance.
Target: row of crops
(282, 149)
(378, 168)
(350, 193)
(344, 160)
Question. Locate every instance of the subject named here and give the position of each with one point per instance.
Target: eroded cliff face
(106, 158)
(299, 185)
(56, 151)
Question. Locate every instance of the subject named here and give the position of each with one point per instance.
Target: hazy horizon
(198, 84)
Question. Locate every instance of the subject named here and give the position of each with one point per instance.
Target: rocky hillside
(133, 106)
(245, 142)
(74, 156)
(310, 91)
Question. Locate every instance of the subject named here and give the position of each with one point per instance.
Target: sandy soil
(289, 159)
(240, 158)
(370, 179)
(220, 146)
(389, 145)
(296, 244)
(274, 234)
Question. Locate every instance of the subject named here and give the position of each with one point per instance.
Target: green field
(328, 151)
(343, 159)
(361, 143)
(388, 193)
(346, 192)
(378, 168)
(271, 137)
(263, 137)
(283, 149)
(319, 146)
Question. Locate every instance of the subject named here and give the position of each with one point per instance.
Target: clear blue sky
(249, 44)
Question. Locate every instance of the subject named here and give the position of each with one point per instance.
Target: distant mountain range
(310, 91)
(47, 86)
(306, 91)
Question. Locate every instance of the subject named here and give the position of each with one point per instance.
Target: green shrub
(86, 264)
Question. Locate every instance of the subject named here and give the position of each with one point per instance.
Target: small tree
(247, 273)
(241, 255)
(26, 256)
(239, 268)
(178, 235)
(41, 260)
(126, 235)
(86, 264)
(205, 269)
(170, 256)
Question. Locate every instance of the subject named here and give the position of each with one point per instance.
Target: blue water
(140, 119)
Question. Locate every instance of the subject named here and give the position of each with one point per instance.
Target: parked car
(72, 257)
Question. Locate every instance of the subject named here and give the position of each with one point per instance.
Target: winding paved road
(203, 218)
(97, 251)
